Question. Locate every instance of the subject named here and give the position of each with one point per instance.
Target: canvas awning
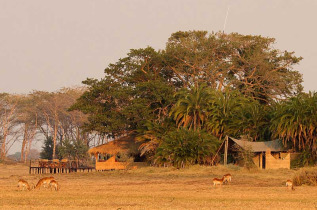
(274, 146)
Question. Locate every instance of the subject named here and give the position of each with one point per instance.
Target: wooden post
(226, 151)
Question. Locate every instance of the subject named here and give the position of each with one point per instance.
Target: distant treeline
(42, 116)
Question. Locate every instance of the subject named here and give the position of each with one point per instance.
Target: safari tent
(121, 153)
(267, 154)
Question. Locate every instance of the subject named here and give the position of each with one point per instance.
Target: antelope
(289, 184)
(44, 181)
(217, 181)
(227, 178)
(54, 184)
(23, 184)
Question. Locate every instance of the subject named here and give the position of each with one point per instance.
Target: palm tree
(253, 120)
(151, 136)
(224, 113)
(295, 120)
(191, 109)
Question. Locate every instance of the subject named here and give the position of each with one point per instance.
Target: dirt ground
(157, 188)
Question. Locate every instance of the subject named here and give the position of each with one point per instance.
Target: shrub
(306, 158)
(244, 156)
(73, 149)
(185, 147)
(306, 177)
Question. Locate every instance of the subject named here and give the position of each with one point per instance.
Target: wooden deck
(48, 170)
(36, 167)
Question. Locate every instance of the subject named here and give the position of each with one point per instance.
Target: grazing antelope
(217, 181)
(289, 184)
(44, 181)
(54, 184)
(227, 178)
(23, 184)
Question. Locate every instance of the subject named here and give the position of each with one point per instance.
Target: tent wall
(257, 160)
(275, 163)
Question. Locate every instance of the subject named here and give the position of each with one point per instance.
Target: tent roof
(123, 144)
(274, 146)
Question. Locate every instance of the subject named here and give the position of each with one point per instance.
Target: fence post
(30, 168)
(226, 151)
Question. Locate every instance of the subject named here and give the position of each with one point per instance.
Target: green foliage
(231, 113)
(221, 113)
(47, 149)
(185, 147)
(295, 120)
(249, 64)
(244, 156)
(251, 119)
(133, 92)
(151, 136)
(73, 149)
(224, 113)
(305, 158)
(138, 88)
(222, 83)
(191, 109)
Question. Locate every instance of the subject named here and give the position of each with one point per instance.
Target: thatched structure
(126, 144)
(106, 154)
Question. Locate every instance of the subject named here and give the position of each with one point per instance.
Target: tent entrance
(263, 160)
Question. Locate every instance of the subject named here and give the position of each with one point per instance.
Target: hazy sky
(47, 45)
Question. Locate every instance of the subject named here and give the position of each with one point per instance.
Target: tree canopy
(180, 102)
(222, 84)
(140, 86)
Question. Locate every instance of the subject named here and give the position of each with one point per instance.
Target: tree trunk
(24, 142)
(4, 141)
(27, 152)
(3, 148)
(54, 140)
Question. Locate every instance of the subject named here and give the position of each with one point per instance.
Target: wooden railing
(57, 166)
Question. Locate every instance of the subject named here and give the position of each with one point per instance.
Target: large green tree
(246, 63)
(135, 90)
(139, 87)
(242, 76)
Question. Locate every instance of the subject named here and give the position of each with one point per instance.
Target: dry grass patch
(158, 188)
(305, 176)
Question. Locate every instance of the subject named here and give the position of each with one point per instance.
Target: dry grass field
(157, 188)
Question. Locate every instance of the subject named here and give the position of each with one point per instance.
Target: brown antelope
(23, 184)
(217, 181)
(289, 184)
(44, 182)
(54, 184)
(227, 178)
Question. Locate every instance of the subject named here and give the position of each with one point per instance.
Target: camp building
(267, 154)
(121, 153)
